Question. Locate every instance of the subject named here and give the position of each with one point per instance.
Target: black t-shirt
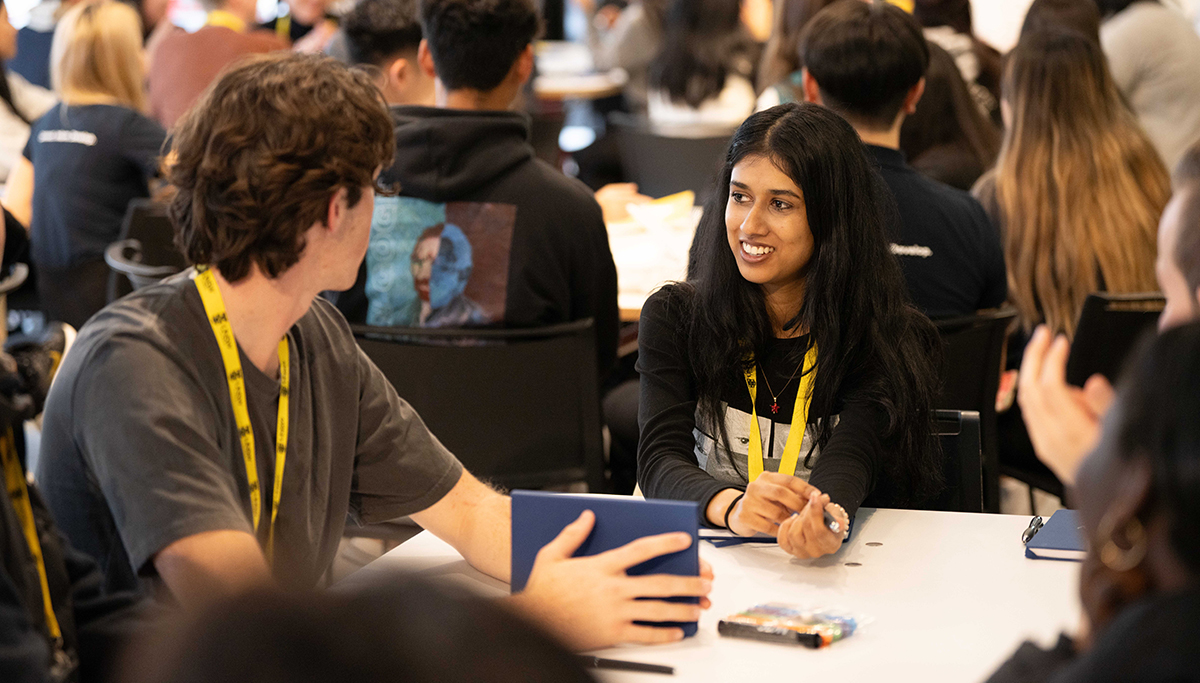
(140, 446)
(682, 459)
(948, 249)
(88, 163)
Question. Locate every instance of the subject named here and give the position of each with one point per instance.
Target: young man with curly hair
(211, 433)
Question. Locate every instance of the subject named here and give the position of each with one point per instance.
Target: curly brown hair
(256, 160)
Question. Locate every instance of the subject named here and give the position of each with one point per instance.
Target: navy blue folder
(1059, 539)
(538, 517)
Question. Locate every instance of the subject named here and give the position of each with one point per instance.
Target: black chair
(1109, 328)
(973, 350)
(146, 252)
(664, 160)
(959, 434)
(520, 408)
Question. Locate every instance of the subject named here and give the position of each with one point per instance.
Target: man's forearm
(477, 521)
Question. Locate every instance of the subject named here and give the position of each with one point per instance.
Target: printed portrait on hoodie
(438, 265)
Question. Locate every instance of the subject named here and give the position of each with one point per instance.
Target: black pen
(1035, 525)
(591, 662)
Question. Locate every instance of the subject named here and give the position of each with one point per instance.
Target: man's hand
(590, 603)
(1063, 421)
(805, 535)
(770, 499)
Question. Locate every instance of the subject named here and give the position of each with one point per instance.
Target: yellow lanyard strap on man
(791, 450)
(18, 493)
(214, 308)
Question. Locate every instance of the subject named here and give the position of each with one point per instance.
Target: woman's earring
(1115, 557)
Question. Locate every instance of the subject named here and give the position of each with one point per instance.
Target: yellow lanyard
(214, 307)
(229, 20)
(791, 450)
(18, 493)
(283, 27)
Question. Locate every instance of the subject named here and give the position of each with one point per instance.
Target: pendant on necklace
(775, 407)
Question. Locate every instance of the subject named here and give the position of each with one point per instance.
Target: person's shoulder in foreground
(1138, 501)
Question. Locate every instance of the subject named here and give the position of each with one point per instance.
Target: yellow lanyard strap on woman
(214, 307)
(18, 493)
(791, 450)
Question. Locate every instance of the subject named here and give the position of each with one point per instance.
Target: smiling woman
(794, 312)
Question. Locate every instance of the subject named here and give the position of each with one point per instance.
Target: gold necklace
(774, 396)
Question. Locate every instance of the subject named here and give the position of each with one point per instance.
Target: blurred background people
(949, 24)
(948, 138)
(86, 159)
(779, 69)
(703, 73)
(22, 103)
(1154, 54)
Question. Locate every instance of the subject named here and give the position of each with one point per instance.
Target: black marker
(591, 662)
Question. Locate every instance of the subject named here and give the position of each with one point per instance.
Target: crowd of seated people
(207, 439)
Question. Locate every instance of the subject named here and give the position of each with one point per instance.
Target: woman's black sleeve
(667, 466)
(852, 459)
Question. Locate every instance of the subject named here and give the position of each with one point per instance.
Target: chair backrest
(1108, 330)
(958, 432)
(664, 161)
(520, 408)
(973, 347)
(146, 222)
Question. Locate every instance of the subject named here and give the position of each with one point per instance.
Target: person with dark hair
(1064, 421)
(413, 631)
(21, 102)
(949, 24)
(213, 432)
(383, 36)
(469, 162)
(1078, 15)
(779, 75)
(947, 138)
(867, 62)
(1153, 52)
(1138, 495)
(789, 375)
(702, 73)
(183, 64)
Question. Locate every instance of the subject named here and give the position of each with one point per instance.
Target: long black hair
(704, 40)
(856, 307)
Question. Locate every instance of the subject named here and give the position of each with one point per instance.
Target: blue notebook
(1061, 538)
(538, 517)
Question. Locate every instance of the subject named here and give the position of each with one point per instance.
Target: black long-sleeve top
(682, 460)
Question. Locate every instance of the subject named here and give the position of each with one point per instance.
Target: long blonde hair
(96, 56)
(1078, 184)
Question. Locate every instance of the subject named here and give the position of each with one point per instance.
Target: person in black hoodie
(539, 247)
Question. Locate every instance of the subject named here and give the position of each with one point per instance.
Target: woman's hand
(805, 535)
(769, 500)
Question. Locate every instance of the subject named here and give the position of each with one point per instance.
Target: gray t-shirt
(140, 448)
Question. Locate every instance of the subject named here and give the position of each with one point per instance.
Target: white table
(951, 596)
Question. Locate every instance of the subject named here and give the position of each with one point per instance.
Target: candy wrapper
(780, 623)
